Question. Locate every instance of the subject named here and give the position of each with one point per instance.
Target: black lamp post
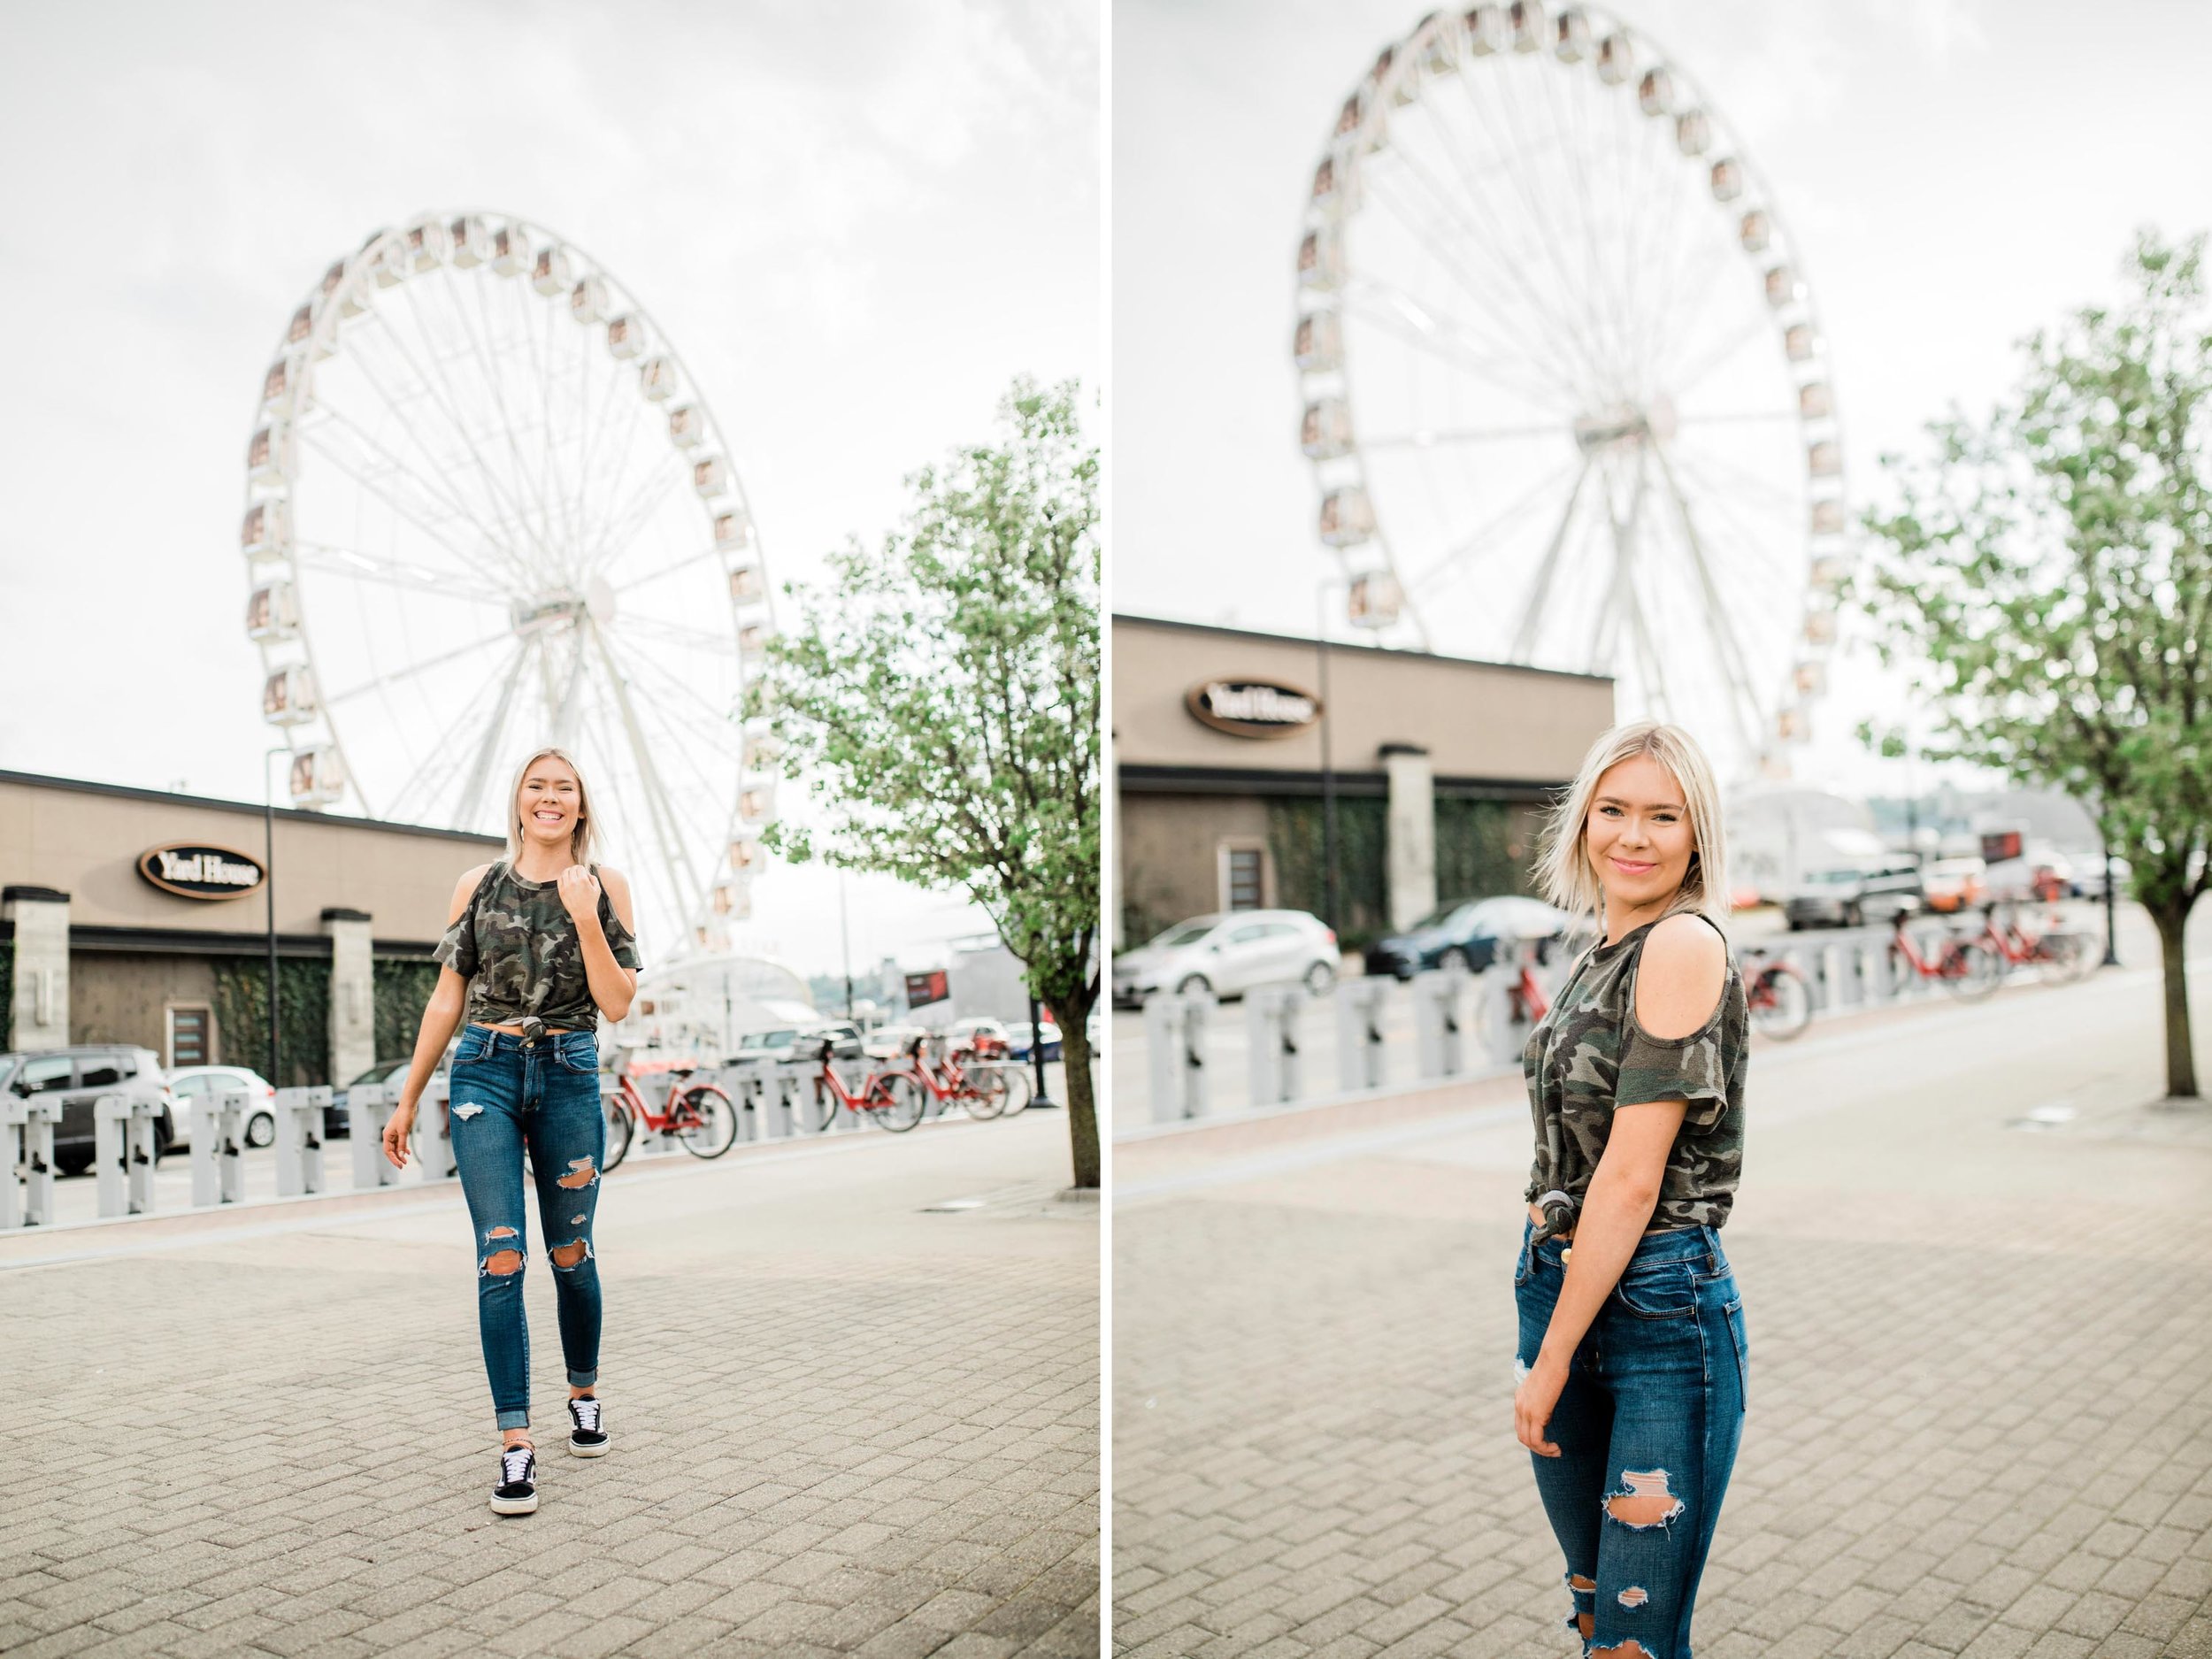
(268, 887)
(2111, 907)
(1328, 772)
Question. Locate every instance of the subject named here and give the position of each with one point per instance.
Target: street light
(1328, 772)
(268, 888)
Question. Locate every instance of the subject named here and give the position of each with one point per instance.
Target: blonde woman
(1632, 1351)
(538, 946)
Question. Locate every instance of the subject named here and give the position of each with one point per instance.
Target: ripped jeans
(1647, 1428)
(505, 1095)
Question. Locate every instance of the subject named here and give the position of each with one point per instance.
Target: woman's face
(549, 802)
(1639, 835)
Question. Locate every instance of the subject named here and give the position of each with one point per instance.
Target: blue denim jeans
(1653, 1407)
(505, 1095)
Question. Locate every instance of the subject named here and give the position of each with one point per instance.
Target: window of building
(1243, 878)
(187, 1036)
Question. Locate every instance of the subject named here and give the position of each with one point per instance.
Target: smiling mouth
(1629, 869)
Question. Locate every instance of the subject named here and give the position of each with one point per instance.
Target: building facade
(138, 916)
(1229, 748)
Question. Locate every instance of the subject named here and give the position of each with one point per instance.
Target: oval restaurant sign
(200, 872)
(1253, 708)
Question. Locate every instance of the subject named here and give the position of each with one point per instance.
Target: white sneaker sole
(515, 1506)
(599, 1450)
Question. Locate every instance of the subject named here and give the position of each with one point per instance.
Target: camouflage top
(516, 945)
(1588, 1056)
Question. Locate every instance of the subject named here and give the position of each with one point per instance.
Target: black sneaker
(587, 1436)
(517, 1493)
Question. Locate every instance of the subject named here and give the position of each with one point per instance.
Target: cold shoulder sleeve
(457, 949)
(620, 940)
(1691, 1069)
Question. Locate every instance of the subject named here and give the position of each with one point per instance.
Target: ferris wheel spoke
(1525, 634)
(1396, 314)
(469, 806)
(1732, 654)
(1458, 267)
(500, 500)
(416, 794)
(1546, 238)
(484, 345)
(1459, 559)
(1745, 334)
(618, 486)
(411, 669)
(497, 541)
(683, 564)
(642, 507)
(350, 565)
(412, 512)
(1485, 434)
(1709, 461)
(718, 721)
(682, 878)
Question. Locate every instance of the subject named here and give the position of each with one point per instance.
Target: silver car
(1229, 954)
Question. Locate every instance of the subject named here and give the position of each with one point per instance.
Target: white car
(187, 1083)
(1230, 954)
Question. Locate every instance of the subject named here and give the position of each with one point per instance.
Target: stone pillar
(1412, 868)
(352, 996)
(38, 1007)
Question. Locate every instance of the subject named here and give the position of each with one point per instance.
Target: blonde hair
(583, 841)
(1563, 872)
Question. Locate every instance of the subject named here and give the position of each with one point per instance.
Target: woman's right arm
(440, 1015)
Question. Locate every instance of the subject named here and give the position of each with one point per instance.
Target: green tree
(942, 702)
(2049, 573)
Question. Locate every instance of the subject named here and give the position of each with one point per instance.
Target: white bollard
(772, 1109)
(434, 1130)
(1437, 1048)
(299, 1140)
(1271, 1021)
(29, 1141)
(1359, 1038)
(368, 1108)
(216, 1121)
(123, 1149)
(1175, 1051)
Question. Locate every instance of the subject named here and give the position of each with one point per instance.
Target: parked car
(888, 1043)
(187, 1083)
(1465, 934)
(1956, 884)
(1018, 1040)
(801, 1042)
(338, 1121)
(2089, 876)
(1852, 896)
(1230, 954)
(80, 1076)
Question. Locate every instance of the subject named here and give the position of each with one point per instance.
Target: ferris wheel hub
(1625, 425)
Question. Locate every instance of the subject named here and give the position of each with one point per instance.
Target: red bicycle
(1967, 967)
(1779, 996)
(975, 1078)
(699, 1115)
(890, 1100)
(2063, 956)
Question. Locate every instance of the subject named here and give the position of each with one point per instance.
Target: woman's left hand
(1533, 1403)
(580, 892)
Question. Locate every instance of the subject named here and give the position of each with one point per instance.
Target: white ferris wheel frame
(430, 247)
(1585, 39)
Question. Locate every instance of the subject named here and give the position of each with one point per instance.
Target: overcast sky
(1955, 174)
(857, 222)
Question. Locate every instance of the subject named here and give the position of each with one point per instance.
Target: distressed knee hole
(1635, 1595)
(500, 1264)
(569, 1255)
(1648, 1501)
(467, 1110)
(1575, 1581)
(582, 1172)
(1629, 1649)
(500, 1232)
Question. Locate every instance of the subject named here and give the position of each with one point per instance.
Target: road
(1976, 1267)
(847, 1419)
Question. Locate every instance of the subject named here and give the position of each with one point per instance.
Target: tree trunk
(2181, 1064)
(1075, 1066)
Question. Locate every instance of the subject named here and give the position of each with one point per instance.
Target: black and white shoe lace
(517, 1493)
(588, 1435)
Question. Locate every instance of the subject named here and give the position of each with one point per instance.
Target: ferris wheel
(488, 508)
(1565, 390)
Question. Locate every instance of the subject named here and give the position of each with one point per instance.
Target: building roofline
(132, 792)
(1309, 642)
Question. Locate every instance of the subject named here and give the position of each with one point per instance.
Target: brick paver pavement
(842, 1426)
(1980, 1379)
